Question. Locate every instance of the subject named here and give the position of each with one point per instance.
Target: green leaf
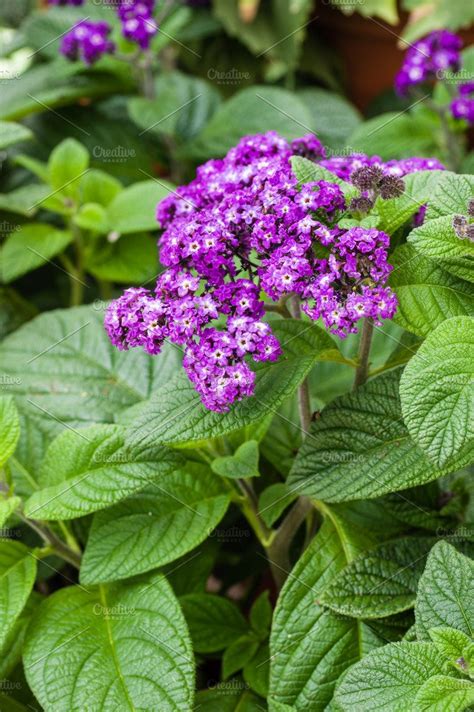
(427, 294)
(214, 622)
(456, 646)
(123, 646)
(158, 525)
(92, 216)
(389, 678)
(17, 576)
(134, 208)
(437, 239)
(33, 165)
(310, 647)
(25, 200)
(437, 391)
(63, 370)
(90, 469)
(257, 671)
(261, 615)
(30, 247)
(132, 259)
(396, 134)
(451, 195)
(273, 501)
(7, 508)
(174, 414)
(252, 110)
(222, 699)
(445, 694)
(9, 428)
(67, 162)
(307, 171)
(445, 592)
(419, 188)
(11, 133)
(360, 448)
(242, 464)
(183, 106)
(380, 582)
(334, 118)
(99, 187)
(238, 654)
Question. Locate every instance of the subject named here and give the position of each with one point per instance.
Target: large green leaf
(182, 108)
(24, 201)
(360, 448)
(389, 679)
(121, 647)
(437, 391)
(17, 576)
(90, 469)
(437, 239)
(250, 111)
(11, 133)
(132, 259)
(445, 694)
(134, 209)
(380, 582)
(30, 247)
(451, 194)
(63, 371)
(214, 622)
(158, 525)
(419, 188)
(310, 646)
(174, 414)
(333, 117)
(446, 592)
(9, 428)
(426, 293)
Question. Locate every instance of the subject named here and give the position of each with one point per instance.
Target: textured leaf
(9, 428)
(427, 294)
(221, 699)
(380, 582)
(419, 189)
(89, 469)
(7, 508)
(63, 371)
(122, 647)
(252, 110)
(307, 171)
(214, 622)
(437, 239)
(238, 654)
(11, 133)
(359, 448)
(446, 592)
(310, 647)
(389, 678)
(261, 615)
(445, 694)
(158, 525)
(273, 501)
(30, 247)
(17, 576)
(437, 391)
(456, 646)
(243, 463)
(257, 670)
(451, 195)
(134, 208)
(174, 414)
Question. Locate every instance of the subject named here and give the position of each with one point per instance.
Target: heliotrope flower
(87, 41)
(245, 226)
(428, 58)
(138, 24)
(462, 107)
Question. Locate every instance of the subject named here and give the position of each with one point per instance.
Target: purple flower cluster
(87, 41)
(427, 59)
(90, 40)
(138, 24)
(345, 166)
(244, 226)
(462, 107)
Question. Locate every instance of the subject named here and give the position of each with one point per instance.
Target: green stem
(279, 549)
(53, 542)
(362, 369)
(304, 396)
